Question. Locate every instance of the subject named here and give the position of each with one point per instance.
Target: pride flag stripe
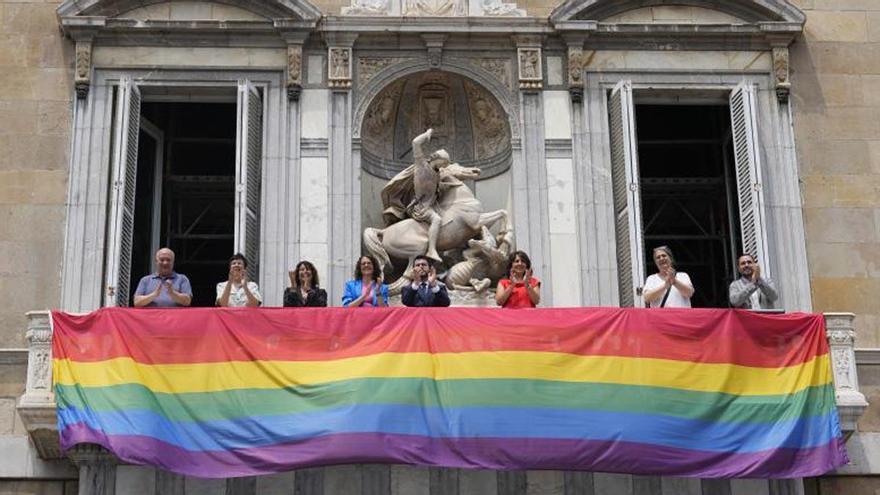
(470, 422)
(231, 404)
(231, 334)
(211, 377)
(218, 393)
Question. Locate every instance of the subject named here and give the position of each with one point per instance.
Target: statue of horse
(462, 218)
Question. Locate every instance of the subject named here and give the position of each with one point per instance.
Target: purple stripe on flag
(483, 453)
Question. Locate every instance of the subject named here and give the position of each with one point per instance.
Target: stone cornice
(439, 25)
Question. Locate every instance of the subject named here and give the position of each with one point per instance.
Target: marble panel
(20, 460)
(477, 482)
(566, 270)
(410, 480)
(315, 69)
(158, 11)
(554, 71)
(560, 192)
(108, 56)
(494, 193)
(545, 482)
(135, 480)
(313, 107)
(314, 200)
(684, 60)
(557, 115)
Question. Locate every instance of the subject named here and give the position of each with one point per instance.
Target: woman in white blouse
(667, 288)
(238, 291)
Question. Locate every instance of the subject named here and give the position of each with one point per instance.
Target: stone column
(529, 174)
(345, 194)
(851, 403)
(97, 469)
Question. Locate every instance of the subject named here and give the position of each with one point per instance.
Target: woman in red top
(521, 290)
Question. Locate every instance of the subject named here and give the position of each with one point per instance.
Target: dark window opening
(688, 193)
(194, 208)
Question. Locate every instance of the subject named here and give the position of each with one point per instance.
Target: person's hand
(231, 275)
(432, 277)
(756, 272)
(670, 277)
(528, 277)
(380, 280)
(158, 289)
(292, 275)
(169, 286)
(514, 279)
(243, 277)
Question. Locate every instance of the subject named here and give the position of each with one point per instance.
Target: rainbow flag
(234, 392)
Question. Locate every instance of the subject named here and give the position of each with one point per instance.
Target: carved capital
(294, 71)
(781, 80)
(83, 69)
(339, 66)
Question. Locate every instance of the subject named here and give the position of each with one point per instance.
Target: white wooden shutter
(126, 126)
(627, 201)
(748, 173)
(248, 175)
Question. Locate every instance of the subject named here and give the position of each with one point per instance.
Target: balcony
(37, 406)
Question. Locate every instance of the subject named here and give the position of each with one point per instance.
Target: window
(689, 195)
(203, 191)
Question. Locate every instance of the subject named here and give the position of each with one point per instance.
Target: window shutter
(627, 204)
(748, 173)
(248, 171)
(122, 193)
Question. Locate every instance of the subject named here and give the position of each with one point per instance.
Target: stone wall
(36, 86)
(836, 100)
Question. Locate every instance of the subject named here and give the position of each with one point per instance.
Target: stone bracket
(83, 74)
(781, 78)
(577, 62)
(37, 406)
(434, 42)
(294, 40)
(851, 403)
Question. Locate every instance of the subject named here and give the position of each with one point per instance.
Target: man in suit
(425, 290)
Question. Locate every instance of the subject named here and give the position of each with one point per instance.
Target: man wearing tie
(425, 290)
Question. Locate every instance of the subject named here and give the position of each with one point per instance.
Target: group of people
(667, 288)
(167, 288)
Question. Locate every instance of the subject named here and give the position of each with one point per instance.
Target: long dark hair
(311, 268)
(522, 255)
(357, 267)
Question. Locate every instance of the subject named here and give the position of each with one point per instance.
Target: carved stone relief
(339, 68)
(294, 71)
(366, 7)
(83, 69)
(435, 8)
(466, 120)
(370, 66)
(530, 70)
(498, 67)
(781, 73)
(498, 8)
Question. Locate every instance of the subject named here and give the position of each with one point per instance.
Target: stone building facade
(565, 85)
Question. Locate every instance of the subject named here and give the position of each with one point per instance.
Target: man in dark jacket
(425, 290)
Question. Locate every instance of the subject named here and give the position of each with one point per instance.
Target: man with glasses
(425, 290)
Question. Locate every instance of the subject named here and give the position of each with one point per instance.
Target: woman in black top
(304, 290)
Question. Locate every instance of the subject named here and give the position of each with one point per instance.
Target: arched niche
(468, 121)
(748, 11)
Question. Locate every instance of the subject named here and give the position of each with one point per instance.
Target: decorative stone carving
(498, 8)
(530, 68)
(435, 8)
(577, 62)
(490, 127)
(434, 42)
(498, 67)
(781, 73)
(485, 262)
(37, 406)
(382, 114)
(366, 7)
(339, 68)
(368, 67)
(841, 334)
(294, 71)
(82, 78)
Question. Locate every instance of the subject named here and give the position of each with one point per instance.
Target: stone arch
(748, 10)
(367, 93)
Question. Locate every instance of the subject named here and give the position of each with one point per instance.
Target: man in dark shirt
(425, 290)
(165, 288)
